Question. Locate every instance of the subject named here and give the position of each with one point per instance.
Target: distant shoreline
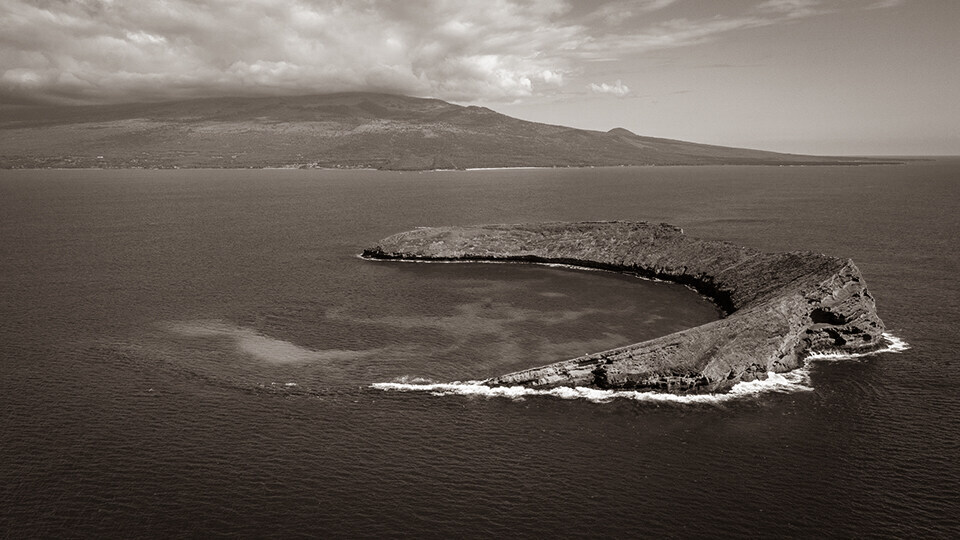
(353, 130)
(850, 163)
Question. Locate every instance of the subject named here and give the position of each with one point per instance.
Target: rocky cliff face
(780, 306)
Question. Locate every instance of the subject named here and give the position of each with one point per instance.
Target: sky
(841, 77)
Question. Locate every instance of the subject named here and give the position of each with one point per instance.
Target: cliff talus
(780, 306)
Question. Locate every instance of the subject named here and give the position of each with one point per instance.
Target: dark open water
(187, 353)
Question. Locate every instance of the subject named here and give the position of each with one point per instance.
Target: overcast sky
(810, 76)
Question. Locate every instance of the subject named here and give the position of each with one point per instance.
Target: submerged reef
(779, 307)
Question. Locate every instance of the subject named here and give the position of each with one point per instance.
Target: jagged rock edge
(826, 306)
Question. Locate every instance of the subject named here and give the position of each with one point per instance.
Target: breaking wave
(775, 382)
(797, 380)
(893, 344)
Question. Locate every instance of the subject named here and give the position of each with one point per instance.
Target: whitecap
(283, 385)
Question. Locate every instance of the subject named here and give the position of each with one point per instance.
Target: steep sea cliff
(780, 307)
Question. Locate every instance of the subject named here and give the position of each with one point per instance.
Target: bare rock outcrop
(779, 306)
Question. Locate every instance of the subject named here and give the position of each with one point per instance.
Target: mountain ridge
(344, 130)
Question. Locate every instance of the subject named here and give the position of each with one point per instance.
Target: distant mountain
(337, 130)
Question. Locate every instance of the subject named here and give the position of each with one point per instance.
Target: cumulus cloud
(618, 88)
(106, 50)
(112, 50)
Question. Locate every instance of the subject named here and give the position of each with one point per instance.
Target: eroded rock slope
(780, 306)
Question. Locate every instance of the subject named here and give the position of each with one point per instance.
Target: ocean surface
(202, 352)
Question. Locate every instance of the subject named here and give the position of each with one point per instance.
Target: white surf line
(797, 380)
(894, 345)
(775, 382)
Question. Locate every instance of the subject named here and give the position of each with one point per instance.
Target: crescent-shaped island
(779, 307)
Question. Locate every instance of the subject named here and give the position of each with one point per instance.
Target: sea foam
(775, 382)
(797, 380)
(893, 344)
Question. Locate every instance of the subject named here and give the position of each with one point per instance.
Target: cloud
(104, 50)
(110, 50)
(885, 4)
(620, 11)
(792, 9)
(618, 88)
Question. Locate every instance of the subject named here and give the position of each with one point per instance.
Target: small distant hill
(349, 130)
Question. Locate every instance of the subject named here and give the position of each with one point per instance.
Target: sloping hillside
(336, 130)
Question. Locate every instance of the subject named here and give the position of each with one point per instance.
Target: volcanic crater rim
(780, 307)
